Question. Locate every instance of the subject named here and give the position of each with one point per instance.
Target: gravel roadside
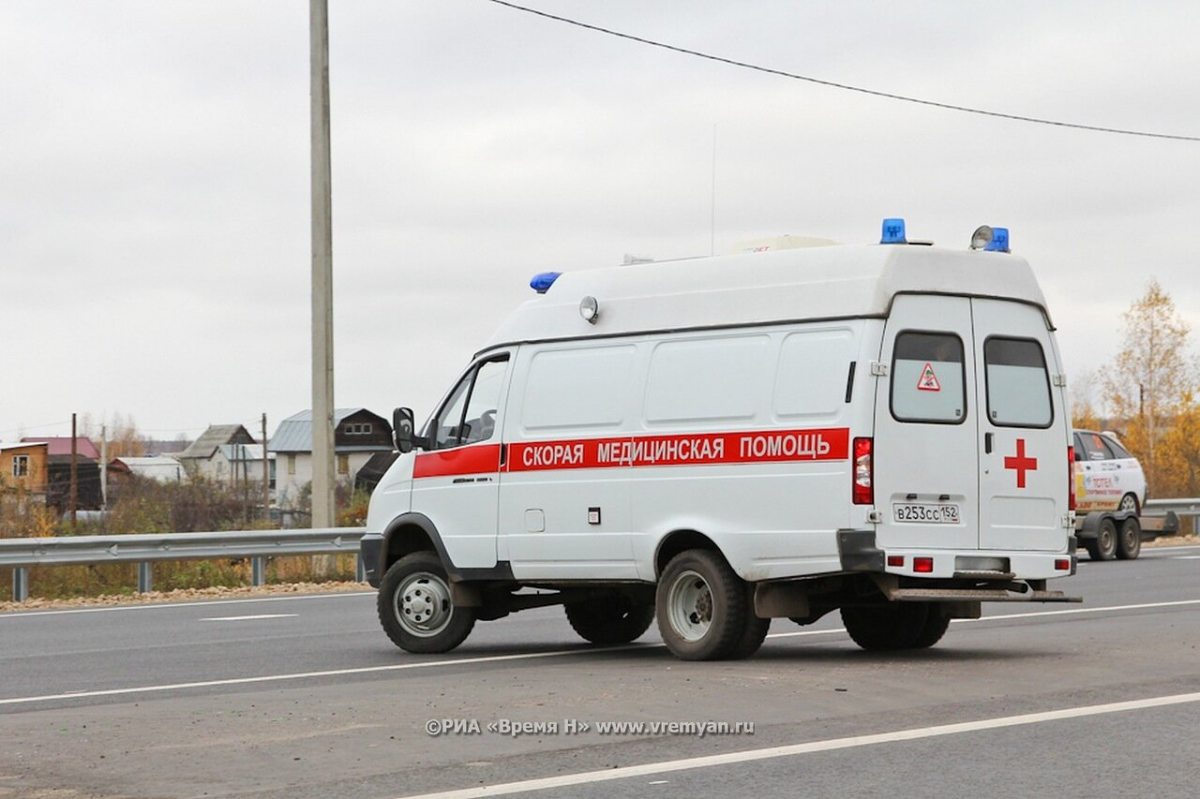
(184, 595)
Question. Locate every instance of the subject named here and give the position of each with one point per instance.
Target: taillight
(864, 472)
(1071, 477)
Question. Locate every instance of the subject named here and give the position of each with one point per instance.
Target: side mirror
(402, 429)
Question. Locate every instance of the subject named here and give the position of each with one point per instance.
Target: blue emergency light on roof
(542, 281)
(999, 242)
(893, 232)
(990, 239)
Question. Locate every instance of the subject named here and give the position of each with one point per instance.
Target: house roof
(22, 445)
(148, 461)
(294, 433)
(84, 448)
(216, 435)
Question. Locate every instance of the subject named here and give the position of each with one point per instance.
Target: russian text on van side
(780, 445)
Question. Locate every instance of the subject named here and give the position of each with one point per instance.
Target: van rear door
(1023, 479)
(926, 448)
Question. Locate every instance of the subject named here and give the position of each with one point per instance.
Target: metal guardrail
(20, 554)
(1182, 507)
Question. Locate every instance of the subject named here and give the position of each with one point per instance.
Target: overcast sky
(154, 174)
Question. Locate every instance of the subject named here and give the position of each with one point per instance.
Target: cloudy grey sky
(154, 198)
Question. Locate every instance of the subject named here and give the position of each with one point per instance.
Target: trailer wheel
(1129, 545)
(613, 619)
(701, 606)
(415, 607)
(896, 625)
(1104, 547)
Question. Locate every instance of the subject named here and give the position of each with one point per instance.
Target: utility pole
(103, 467)
(322, 270)
(266, 474)
(74, 474)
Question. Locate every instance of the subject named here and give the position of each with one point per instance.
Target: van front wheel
(610, 620)
(415, 608)
(701, 607)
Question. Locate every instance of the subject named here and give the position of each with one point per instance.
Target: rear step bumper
(975, 595)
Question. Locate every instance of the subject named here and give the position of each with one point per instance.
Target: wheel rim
(422, 604)
(1128, 502)
(1106, 540)
(690, 606)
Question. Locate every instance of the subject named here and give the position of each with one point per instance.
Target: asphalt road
(305, 696)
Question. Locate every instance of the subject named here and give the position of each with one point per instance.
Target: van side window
(469, 414)
(709, 381)
(578, 388)
(1018, 385)
(928, 378)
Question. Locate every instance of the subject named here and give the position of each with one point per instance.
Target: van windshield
(928, 383)
(1018, 386)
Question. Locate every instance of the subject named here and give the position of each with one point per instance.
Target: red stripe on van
(757, 446)
(479, 459)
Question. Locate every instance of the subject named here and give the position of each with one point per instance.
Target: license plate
(912, 512)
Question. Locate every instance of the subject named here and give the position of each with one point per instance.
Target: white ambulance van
(882, 430)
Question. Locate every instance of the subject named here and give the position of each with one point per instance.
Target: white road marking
(668, 766)
(1186, 557)
(39, 614)
(426, 664)
(253, 618)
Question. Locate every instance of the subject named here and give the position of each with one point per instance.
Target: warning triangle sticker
(928, 381)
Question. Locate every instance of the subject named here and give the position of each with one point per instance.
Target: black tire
(753, 633)
(1093, 553)
(701, 607)
(1104, 547)
(935, 627)
(1129, 502)
(896, 625)
(415, 607)
(1129, 543)
(612, 619)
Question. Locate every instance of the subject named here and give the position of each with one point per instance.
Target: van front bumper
(370, 547)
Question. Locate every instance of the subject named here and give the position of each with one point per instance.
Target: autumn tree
(1151, 380)
(1179, 452)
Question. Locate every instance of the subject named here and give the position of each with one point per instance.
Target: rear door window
(1094, 447)
(928, 379)
(1018, 385)
(1118, 452)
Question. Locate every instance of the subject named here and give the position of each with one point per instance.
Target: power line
(844, 86)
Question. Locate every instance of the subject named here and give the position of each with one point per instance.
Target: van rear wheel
(415, 608)
(935, 627)
(612, 619)
(701, 607)
(896, 625)
(754, 632)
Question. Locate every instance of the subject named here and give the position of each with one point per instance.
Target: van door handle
(987, 443)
